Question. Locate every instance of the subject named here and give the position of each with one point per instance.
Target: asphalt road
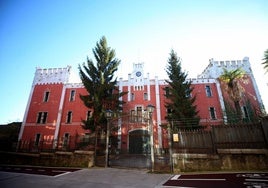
(93, 177)
(37, 170)
(43, 177)
(224, 180)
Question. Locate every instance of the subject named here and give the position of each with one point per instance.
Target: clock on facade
(138, 74)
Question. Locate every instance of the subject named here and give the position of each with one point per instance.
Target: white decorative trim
(58, 123)
(148, 87)
(26, 113)
(158, 112)
(221, 101)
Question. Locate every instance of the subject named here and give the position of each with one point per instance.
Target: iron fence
(239, 136)
(244, 136)
(62, 144)
(193, 141)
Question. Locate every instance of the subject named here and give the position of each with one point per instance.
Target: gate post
(150, 109)
(170, 148)
(108, 115)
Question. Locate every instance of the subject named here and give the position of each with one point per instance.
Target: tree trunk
(238, 110)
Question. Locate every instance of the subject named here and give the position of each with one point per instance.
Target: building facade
(54, 111)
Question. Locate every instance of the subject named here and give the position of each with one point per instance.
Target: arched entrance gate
(139, 142)
(130, 142)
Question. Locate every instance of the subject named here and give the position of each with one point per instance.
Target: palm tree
(233, 88)
(265, 63)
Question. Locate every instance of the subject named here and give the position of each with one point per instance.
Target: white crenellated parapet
(193, 80)
(215, 68)
(52, 75)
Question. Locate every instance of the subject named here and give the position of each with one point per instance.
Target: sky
(55, 34)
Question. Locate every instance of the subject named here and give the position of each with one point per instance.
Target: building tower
(215, 69)
(45, 104)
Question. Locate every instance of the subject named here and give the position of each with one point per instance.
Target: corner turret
(52, 75)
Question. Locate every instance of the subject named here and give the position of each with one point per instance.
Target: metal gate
(129, 145)
(139, 142)
(132, 149)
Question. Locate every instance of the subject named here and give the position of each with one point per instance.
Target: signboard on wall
(175, 138)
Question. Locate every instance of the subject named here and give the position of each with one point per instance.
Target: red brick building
(54, 110)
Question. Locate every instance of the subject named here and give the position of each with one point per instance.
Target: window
(208, 91)
(167, 91)
(72, 95)
(132, 116)
(110, 91)
(188, 93)
(212, 113)
(42, 117)
(169, 111)
(132, 97)
(37, 139)
(88, 114)
(139, 114)
(245, 112)
(136, 115)
(66, 140)
(46, 96)
(145, 96)
(69, 117)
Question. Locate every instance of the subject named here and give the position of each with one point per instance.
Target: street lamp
(108, 115)
(150, 109)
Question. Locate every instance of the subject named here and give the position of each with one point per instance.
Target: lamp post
(108, 115)
(150, 109)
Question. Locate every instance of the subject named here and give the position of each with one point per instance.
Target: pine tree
(182, 112)
(98, 79)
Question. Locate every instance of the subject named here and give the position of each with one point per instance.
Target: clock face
(138, 73)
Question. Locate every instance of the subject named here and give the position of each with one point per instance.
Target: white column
(26, 112)
(148, 87)
(221, 101)
(158, 112)
(257, 93)
(128, 87)
(56, 134)
(119, 120)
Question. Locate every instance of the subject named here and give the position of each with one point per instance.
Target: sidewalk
(93, 177)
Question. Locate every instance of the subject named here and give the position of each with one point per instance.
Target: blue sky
(51, 34)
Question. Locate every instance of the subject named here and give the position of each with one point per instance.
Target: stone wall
(225, 160)
(62, 159)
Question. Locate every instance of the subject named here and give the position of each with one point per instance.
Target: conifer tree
(182, 112)
(98, 79)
